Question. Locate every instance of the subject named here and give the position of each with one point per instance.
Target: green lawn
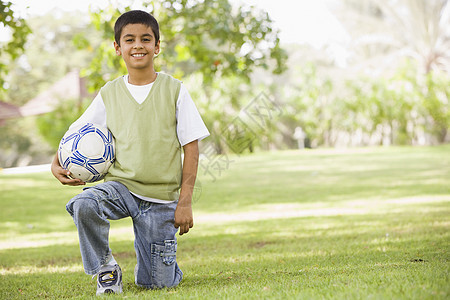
(358, 224)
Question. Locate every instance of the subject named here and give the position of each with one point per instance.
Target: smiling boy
(152, 117)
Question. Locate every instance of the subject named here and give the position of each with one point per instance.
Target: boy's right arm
(63, 175)
(95, 113)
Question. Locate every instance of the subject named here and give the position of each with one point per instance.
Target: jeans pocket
(164, 263)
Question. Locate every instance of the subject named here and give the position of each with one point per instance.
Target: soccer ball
(87, 151)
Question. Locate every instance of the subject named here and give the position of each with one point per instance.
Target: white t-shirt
(190, 126)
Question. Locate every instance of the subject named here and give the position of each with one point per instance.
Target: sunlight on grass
(41, 270)
(12, 184)
(39, 240)
(124, 232)
(370, 223)
(58, 238)
(353, 207)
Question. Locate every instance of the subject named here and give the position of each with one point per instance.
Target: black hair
(135, 17)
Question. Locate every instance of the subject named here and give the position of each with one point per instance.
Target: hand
(183, 218)
(63, 175)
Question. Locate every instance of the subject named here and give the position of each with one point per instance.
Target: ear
(157, 48)
(117, 47)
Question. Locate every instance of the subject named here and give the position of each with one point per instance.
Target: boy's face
(137, 46)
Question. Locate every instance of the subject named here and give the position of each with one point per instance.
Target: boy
(151, 116)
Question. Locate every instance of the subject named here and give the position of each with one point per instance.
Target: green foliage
(13, 143)
(214, 44)
(227, 55)
(407, 107)
(21, 144)
(207, 37)
(314, 105)
(53, 125)
(49, 55)
(19, 33)
(217, 40)
(436, 101)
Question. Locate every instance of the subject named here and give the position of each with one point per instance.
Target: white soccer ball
(87, 151)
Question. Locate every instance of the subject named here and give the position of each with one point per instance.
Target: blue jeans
(153, 223)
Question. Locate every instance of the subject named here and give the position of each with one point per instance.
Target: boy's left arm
(183, 213)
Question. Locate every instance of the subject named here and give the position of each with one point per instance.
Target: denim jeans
(153, 224)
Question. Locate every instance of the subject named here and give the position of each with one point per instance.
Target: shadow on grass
(403, 255)
(391, 271)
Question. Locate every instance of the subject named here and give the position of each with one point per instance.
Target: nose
(137, 46)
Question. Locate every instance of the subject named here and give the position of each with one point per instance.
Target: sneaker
(109, 281)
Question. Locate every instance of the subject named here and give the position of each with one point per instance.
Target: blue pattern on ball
(76, 158)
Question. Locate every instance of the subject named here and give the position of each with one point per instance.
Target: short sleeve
(190, 126)
(95, 113)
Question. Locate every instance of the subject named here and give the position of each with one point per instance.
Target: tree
(210, 39)
(53, 125)
(49, 55)
(384, 31)
(12, 49)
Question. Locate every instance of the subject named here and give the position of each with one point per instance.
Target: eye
(128, 40)
(146, 40)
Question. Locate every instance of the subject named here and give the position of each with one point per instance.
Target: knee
(82, 206)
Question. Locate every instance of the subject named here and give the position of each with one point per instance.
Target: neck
(141, 77)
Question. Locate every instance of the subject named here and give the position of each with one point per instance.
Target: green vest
(148, 153)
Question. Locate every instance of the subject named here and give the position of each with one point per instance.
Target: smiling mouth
(138, 55)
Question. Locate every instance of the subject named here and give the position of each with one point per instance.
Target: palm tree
(384, 31)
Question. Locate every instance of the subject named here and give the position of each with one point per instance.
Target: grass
(357, 224)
